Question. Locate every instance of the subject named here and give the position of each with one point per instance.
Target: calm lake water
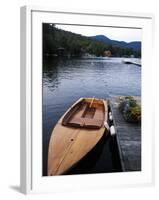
(65, 81)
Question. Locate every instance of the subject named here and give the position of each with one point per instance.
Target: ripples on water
(65, 81)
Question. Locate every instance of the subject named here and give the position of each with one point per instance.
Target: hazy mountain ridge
(136, 45)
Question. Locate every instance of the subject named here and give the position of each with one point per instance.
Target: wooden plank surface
(129, 138)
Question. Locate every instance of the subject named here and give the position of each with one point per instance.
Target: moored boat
(76, 133)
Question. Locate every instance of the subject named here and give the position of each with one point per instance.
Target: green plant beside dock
(130, 109)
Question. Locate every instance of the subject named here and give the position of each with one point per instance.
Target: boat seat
(76, 121)
(86, 117)
(93, 123)
(85, 122)
(98, 114)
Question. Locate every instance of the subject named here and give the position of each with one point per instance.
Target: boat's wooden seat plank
(93, 122)
(99, 114)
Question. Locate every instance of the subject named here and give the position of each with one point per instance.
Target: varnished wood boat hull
(68, 145)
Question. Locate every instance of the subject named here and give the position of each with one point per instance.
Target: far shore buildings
(107, 53)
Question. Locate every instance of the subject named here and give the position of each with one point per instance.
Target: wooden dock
(128, 138)
(132, 62)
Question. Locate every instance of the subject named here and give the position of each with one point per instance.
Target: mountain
(61, 43)
(136, 45)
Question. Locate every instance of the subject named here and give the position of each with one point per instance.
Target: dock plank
(129, 138)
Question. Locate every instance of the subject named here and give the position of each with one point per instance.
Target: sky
(120, 34)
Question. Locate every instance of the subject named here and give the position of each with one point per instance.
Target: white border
(31, 100)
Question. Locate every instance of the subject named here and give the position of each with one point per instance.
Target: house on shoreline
(107, 53)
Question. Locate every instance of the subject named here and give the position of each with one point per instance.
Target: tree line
(59, 42)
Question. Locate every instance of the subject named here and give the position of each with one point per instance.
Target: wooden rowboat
(76, 133)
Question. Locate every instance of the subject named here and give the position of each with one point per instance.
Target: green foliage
(76, 45)
(133, 114)
(130, 109)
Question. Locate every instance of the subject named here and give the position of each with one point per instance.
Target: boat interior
(88, 113)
